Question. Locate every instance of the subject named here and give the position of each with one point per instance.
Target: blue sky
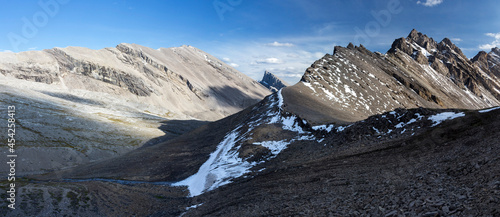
(282, 36)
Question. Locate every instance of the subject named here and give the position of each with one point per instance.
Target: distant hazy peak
(272, 82)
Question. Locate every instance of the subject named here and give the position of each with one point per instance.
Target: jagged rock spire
(272, 82)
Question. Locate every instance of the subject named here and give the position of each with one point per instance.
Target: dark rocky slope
(452, 169)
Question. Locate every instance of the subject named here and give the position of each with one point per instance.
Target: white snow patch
(310, 86)
(274, 119)
(289, 123)
(439, 118)
(413, 120)
(194, 206)
(349, 90)
(329, 94)
(342, 128)
(305, 137)
(223, 165)
(275, 146)
(327, 128)
(280, 99)
(489, 110)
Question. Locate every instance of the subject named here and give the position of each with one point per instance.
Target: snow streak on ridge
(224, 164)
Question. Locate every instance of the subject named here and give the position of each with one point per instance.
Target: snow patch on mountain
(413, 120)
(489, 110)
(224, 164)
(439, 118)
(327, 128)
(275, 146)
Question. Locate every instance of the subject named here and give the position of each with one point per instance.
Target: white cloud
(32, 48)
(318, 55)
(430, 3)
(456, 39)
(495, 43)
(6, 51)
(325, 28)
(277, 44)
(230, 62)
(288, 63)
(290, 75)
(271, 60)
(494, 35)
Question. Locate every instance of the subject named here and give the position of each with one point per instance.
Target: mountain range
(183, 81)
(130, 95)
(354, 83)
(405, 133)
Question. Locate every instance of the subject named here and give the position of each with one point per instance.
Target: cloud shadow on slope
(228, 96)
(173, 129)
(72, 98)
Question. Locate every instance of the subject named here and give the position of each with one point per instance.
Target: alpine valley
(133, 131)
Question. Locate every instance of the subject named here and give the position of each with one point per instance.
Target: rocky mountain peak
(494, 61)
(402, 45)
(414, 34)
(350, 46)
(447, 45)
(422, 40)
(494, 54)
(414, 65)
(416, 44)
(445, 58)
(482, 56)
(448, 42)
(495, 51)
(488, 62)
(272, 82)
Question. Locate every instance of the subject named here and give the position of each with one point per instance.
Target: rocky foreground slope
(362, 134)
